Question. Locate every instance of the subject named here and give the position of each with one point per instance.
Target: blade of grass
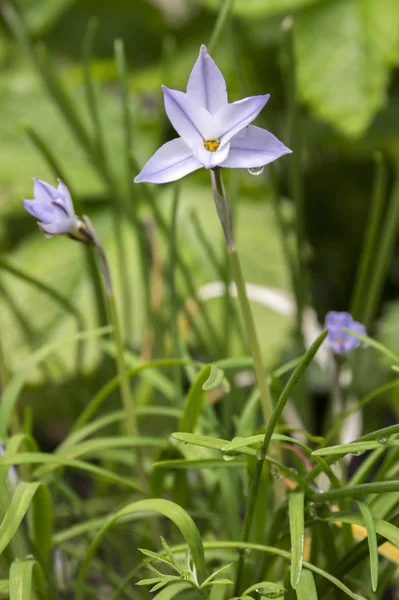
(306, 589)
(296, 503)
(372, 542)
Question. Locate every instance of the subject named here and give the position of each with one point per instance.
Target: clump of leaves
(184, 571)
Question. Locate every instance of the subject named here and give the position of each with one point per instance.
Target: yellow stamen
(212, 145)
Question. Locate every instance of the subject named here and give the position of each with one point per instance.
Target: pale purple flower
(53, 208)
(213, 132)
(339, 340)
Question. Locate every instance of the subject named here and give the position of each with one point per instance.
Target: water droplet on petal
(255, 170)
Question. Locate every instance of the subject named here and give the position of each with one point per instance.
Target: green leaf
(215, 379)
(26, 458)
(387, 530)
(194, 400)
(216, 573)
(200, 463)
(164, 507)
(41, 524)
(306, 589)
(91, 447)
(372, 542)
(344, 51)
(23, 573)
(266, 587)
(352, 491)
(200, 440)
(171, 591)
(253, 439)
(19, 505)
(297, 532)
(355, 447)
(4, 586)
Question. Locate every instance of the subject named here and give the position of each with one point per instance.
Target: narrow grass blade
(23, 575)
(194, 401)
(306, 589)
(26, 458)
(363, 489)
(372, 542)
(19, 505)
(297, 532)
(355, 447)
(204, 463)
(40, 522)
(102, 444)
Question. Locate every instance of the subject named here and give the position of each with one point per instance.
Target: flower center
(212, 145)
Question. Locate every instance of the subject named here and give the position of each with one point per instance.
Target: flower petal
(44, 192)
(212, 159)
(172, 161)
(191, 120)
(59, 227)
(65, 197)
(206, 83)
(43, 211)
(234, 117)
(358, 328)
(338, 319)
(254, 147)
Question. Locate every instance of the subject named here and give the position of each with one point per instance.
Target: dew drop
(229, 455)
(275, 471)
(255, 170)
(382, 440)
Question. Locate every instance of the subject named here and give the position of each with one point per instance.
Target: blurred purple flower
(339, 340)
(53, 208)
(213, 132)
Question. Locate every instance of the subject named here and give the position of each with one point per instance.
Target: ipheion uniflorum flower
(53, 208)
(213, 132)
(339, 340)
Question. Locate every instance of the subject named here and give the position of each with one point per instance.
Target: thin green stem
(225, 10)
(371, 242)
(126, 393)
(173, 287)
(223, 209)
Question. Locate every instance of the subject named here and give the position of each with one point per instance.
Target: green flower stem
(126, 393)
(223, 209)
(225, 10)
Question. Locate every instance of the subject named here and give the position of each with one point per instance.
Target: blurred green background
(346, 55)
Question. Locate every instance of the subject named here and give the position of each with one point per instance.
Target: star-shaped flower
(53, 208)
(339, 340)
(213, 132)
